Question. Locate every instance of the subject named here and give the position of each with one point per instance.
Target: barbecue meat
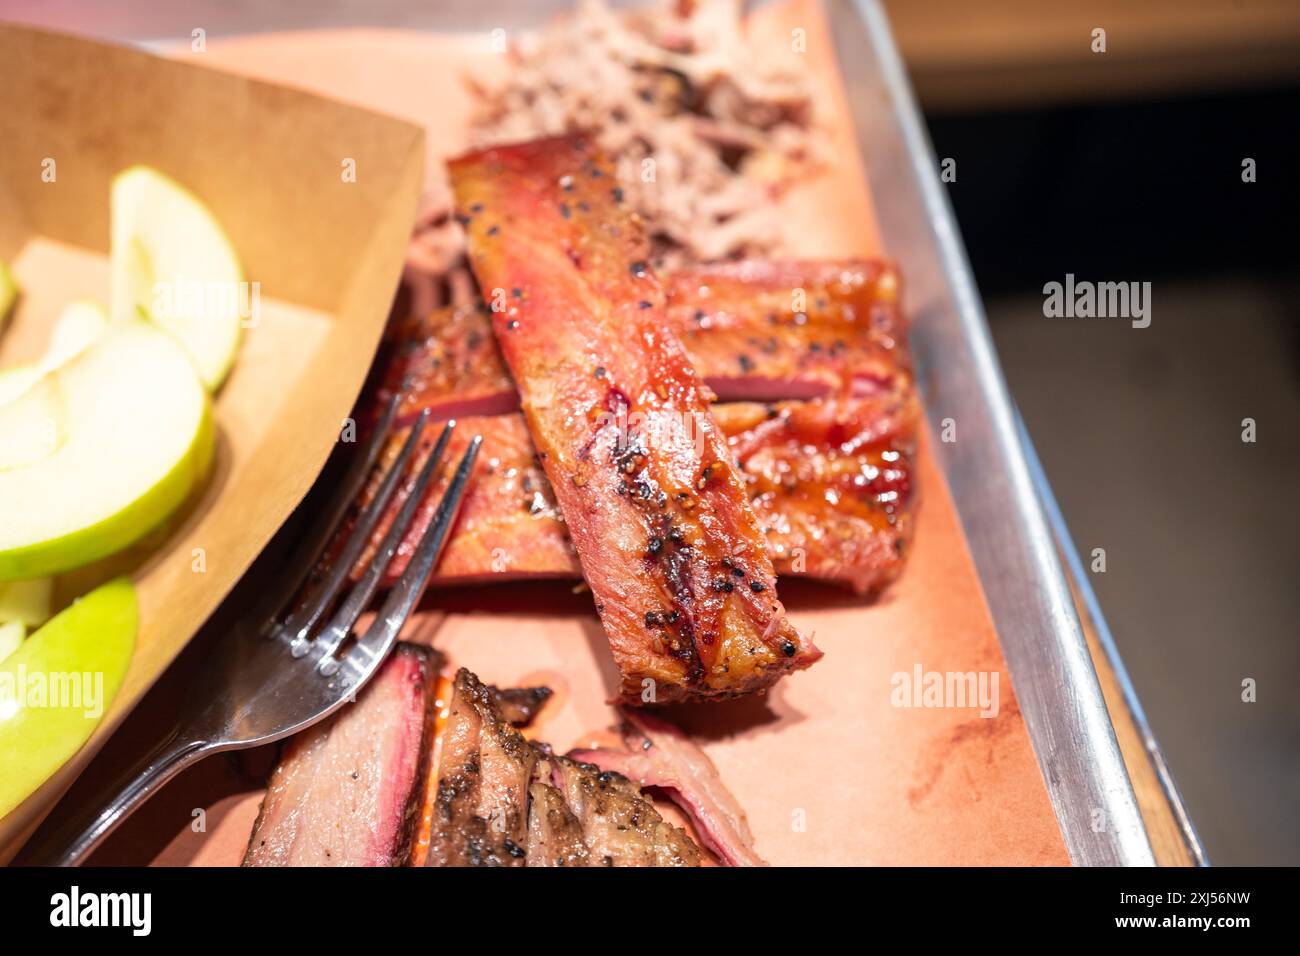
(447, 361)
(502, 801)
(656, 510)
(660, 755)
(480, 813)
(508, 525)
(755, 331)
(344, 791)
(774, 331)
(831, 482)
(619, 826)
(519, 706)
(554, 833)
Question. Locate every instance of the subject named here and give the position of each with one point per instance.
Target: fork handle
(69, 844)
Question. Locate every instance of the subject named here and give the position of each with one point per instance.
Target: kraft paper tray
(327, 255)
(982, 501)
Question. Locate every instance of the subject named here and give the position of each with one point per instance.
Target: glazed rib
(777, 331)
(447, 362)
(656, 510)
(755, 331)
(830, 482)
(509, 525)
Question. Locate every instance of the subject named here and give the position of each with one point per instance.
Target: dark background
(1139, 430)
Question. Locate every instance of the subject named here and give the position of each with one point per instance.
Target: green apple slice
(31, 426)
(8, 293)
(137, 438)
(79, 325)
(172, 263)
(11, 635)
(55, 688)
(17, 379)
(27, 602)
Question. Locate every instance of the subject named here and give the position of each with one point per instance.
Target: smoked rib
(657, 512)
(831, 482)
(755, 331)
(785, 330)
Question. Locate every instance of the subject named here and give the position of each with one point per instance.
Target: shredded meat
(704, 134)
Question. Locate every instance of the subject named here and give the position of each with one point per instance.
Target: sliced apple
(135, 439)
(8, 293)
(17, 379)
(11, 635)
(31, 427)
(173, 264)
(77, 327)
(56, 687)
(27, 602)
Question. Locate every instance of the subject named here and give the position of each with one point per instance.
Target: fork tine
(307, 551)
(328, 641)
(382, 634)
(300, 623)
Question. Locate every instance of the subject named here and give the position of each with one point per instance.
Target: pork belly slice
(508, 526)
(656, 510)
(344, 792)
(660, 755)
(831, 482)
(786, 330)
(448, 362)
(485, 766)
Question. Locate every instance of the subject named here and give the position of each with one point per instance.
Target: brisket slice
(519, 706)
(502, 801)
(480, 812)
(344, 791)
(660, 755)
(554, 834)
(620, 827)
(655, 507)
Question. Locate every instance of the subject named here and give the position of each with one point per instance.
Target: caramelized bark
(656, 509)
(773, 331)
(448, 362)
(480, 814)
(831, 482)
(508, 525)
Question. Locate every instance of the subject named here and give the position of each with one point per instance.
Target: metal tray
(1003, 501)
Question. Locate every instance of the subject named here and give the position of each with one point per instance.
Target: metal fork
(280, 671)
